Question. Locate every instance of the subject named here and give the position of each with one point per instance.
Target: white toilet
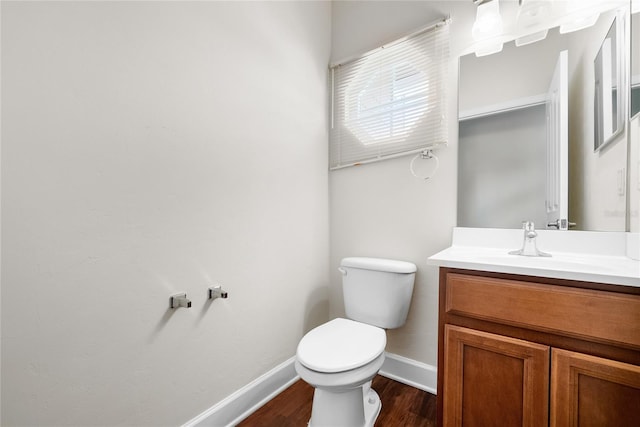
(341, 357)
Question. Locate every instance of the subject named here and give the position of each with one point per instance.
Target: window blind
(390, 101)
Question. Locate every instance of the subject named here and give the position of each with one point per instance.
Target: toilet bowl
(341, 357)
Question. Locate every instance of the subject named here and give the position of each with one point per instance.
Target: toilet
(341, 357)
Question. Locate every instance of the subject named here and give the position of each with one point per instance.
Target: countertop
(586, 256)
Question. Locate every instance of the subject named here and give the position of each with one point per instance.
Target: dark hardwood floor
(402, 406)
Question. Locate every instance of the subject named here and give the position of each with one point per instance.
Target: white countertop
(586, 256)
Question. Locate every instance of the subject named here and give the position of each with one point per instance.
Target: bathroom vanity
(522, 341)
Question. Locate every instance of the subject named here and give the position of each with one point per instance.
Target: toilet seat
(341, 345)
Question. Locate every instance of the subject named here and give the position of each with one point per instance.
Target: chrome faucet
(529, 247)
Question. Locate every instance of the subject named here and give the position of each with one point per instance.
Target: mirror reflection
(516, 110)
(608, 95)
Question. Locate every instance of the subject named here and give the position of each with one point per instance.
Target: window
(390, 101)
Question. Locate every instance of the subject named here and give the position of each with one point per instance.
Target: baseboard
(254, 395)
(238, 406)
(410, 372)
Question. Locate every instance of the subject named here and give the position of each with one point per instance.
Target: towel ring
(426, 154)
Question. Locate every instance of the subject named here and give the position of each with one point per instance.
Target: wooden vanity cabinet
(530, 351)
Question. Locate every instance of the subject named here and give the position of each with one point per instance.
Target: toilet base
(343, 399)
(372, 407)
(358, 407)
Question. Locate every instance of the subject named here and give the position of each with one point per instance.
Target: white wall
(381, 209)
(150, 148)
(635, 63)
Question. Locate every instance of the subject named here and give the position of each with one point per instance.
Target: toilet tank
(377, 291)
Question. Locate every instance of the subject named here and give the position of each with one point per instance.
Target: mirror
(505, 167)
(608, 106)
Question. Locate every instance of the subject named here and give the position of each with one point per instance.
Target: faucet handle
(561, 224)
(529, 229)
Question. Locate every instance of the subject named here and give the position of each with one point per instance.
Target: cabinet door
(592, 391)
(491, 380)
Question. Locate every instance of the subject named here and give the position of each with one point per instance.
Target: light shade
(488, 21)
(531, 38)
(579, 22)
(580, 14)
(489, 48)
(532, 14)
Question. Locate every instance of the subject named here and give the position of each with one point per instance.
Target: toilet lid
(341, 345)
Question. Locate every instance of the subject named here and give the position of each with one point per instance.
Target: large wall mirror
(512, 107)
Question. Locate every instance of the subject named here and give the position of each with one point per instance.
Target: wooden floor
(401, 406)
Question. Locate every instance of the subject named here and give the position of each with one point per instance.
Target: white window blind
(390, 101)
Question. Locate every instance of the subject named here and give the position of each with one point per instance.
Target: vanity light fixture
(531, 38)
(532, 14)
(581, 14)
(487, 26)
(584, 20)
(488, 20)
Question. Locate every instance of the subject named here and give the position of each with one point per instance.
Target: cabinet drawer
(603, 316)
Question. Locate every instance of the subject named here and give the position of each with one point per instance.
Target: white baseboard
(238, 406)
(410, 372)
